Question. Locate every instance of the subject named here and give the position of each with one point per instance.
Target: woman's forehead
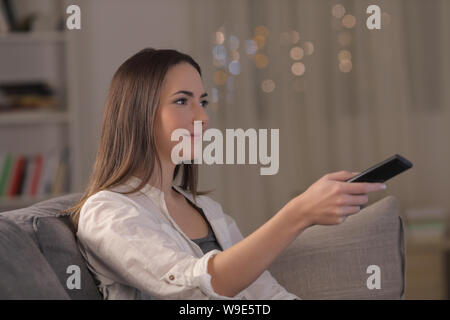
(185, 77)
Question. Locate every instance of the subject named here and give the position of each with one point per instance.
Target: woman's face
(183, 101)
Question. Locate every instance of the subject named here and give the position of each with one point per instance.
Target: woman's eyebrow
(189, 93)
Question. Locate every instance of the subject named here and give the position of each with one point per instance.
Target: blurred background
(343, 97)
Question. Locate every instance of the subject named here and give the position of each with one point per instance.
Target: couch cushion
(25, 274)
(52, 232)
(49, 208)
(331, 262)
(57, 242)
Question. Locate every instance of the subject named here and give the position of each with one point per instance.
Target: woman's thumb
(342, 175)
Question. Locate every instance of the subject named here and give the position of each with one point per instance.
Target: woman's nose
(201, 115)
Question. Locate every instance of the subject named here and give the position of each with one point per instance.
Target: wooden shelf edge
(33, 117)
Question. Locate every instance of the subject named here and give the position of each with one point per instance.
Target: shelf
(40, 56)
(33, 117)
(32, 37)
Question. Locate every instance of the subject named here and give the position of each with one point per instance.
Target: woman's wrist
(295, 215)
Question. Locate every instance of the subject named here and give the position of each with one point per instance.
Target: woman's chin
(188, 160)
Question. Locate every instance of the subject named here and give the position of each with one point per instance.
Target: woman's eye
(182, 99)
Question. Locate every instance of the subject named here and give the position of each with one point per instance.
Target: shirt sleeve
(130, 247)
(265, 287)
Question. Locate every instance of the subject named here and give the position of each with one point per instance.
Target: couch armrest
(331, 262)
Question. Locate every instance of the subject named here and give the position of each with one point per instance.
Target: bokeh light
(233, 43)
(219, 52)
(338, 11)
(261, 60)
(297, 53)
(220, 37)
(219, 63)
(234, 67)
(308, 47)
(220, 77)
(349, 21)
(268, 85)
(298, 68)
(251, 47)
(260, 41)
(261, 31)
(295, 36)
(235, 55)
(344, 55)
(345, 66)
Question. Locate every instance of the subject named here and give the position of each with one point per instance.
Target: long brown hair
(127, 141)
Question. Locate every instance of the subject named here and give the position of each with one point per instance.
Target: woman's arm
(328, 201)
(240, 265)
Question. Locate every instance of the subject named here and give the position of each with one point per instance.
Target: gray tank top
(209, 242)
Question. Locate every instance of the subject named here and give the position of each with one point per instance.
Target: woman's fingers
(340, 175)
(348, 211)
(352, 206)
(353, 200)
(354, 187)
(361, 187)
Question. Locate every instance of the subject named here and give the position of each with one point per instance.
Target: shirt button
(171, 277)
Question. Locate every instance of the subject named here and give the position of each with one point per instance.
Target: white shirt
(136, 250)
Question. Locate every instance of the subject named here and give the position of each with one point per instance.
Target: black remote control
(384, 170)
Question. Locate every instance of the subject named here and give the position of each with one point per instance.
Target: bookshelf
(50, 132)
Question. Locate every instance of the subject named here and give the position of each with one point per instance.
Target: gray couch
(37, 244)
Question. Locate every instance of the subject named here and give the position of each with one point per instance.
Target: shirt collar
(157, 196)
(147, 189)
(154, 192)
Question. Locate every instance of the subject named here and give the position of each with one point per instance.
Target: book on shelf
(35, 95)
(32, 186)
(34, 175)
(16, 176)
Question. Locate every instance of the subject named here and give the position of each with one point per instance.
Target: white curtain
(394, 99)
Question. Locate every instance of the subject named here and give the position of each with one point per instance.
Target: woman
(143, 236)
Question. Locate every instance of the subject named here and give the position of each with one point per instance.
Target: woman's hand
(330, 199)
